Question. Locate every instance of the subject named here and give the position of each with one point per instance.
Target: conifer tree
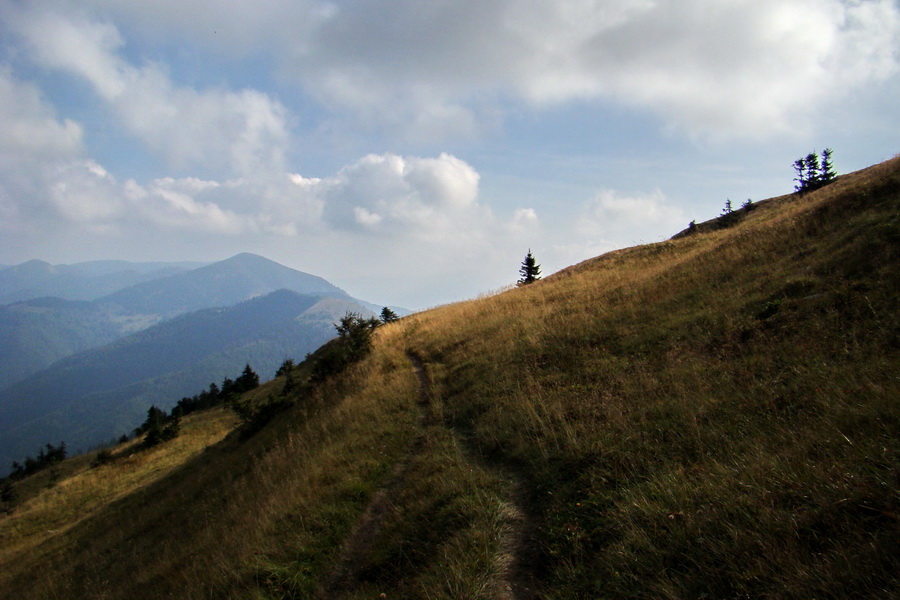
(286, 367)
(248, 380)
(812, 171)
(800, 168)
(388, 316)
(530, 270)
(827, 173)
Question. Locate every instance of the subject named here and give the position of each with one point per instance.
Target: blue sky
(412, 151)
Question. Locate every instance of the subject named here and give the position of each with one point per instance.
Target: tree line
(352, 344)
(811, 173)
(47, 456)
(160, 426)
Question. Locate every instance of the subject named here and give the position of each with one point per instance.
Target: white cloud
(30, 128)
(406, 71)
(432, 199)
(34, 144)
(243, 132)
(748, 68)
(745, 67)
(626, 219)
(612, 220)
(84, 193)
(524, 220)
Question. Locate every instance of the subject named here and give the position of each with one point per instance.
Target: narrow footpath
(517, 548)
(516, 559)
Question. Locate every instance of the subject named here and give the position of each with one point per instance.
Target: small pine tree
(155, 419)
(530, 270)
(812, 171)
(728, 208)
(286, 367)
(800, 168)
(248, 380)
(388, 316)
(228, 389)
(171, 430)
(827, 173)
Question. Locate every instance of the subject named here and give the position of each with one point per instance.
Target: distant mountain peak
(222, 283)
(35, 265)
(244, 257)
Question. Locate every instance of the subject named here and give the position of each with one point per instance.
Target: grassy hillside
(712, 416)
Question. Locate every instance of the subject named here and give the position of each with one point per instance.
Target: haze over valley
(86, 371)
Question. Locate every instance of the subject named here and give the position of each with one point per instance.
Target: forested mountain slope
(38, 331)
(99, 394)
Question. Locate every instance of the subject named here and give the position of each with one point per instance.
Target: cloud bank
(710, 68)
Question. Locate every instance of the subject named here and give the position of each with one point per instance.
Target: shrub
(104, 457)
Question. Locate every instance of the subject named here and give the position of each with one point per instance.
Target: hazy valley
(85, 371)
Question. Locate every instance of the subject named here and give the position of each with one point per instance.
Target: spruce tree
(248, 380)
(812, 171)
(827, 172)
(800, 168)
(388, 316)
(530, 270)
(286, 367)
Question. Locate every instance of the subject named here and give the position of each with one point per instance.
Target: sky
(413, 151)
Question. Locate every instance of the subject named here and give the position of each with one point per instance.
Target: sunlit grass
(711, 416)
(682, 409)
(77, 496)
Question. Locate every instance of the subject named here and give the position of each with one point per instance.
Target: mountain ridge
(118, 382)
(223, 283)
(40, 331)
(80, 281)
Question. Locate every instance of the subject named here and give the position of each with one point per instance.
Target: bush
(353, 343)
(253, 418)
(104, 457)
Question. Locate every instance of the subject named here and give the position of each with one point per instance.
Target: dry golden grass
(56, 509)
(712, 416)
(715, 414)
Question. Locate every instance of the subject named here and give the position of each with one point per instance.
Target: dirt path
(360, 543)
(516, 561)
(517, 558)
